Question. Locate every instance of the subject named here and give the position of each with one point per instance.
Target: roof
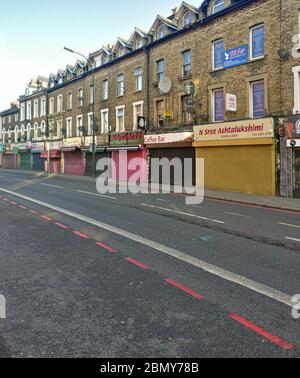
(9, 112)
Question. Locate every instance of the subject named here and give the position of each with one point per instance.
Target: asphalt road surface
(143, 275)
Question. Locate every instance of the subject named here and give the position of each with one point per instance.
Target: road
(143, 275)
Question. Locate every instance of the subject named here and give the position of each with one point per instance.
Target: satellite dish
(165, 85)
(283, 53)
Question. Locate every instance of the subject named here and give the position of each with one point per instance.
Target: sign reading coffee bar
(249, 129)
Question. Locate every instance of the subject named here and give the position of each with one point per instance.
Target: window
(79, 126)
(257, 99)
(23, 112)
(28, 110)
(91, 96)
(104, 121)
(218, 5)
(105, 90)
(36, 109)
(16, 117)
(139, 43)
(120, 123)
(160, 113)
(161, 32)
(186, 64)
(257, 42)
(90, 123)
(70, 101)
(51, 110)
(80, 97)
(160, 70)
(43, 107)
(69, 128)
(296, 72)
(218, 54)
(137, 112)
(187, 19)
(187, 116)
(120, 85)
(59, 104)
(59, 125)
(218, 105)
(138, 79)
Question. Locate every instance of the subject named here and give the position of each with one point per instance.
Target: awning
(98, 149)
(70, 149)
(52, 154)
(125, 148)
(37, 151)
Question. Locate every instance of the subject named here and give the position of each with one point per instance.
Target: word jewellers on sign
(169, 138)
(130, 138)
(261, 128)
(236, 56)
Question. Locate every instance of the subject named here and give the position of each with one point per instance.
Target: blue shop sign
(236, 57)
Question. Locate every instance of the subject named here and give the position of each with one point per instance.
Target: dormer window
(218, 5)
(187, 19)
(161, 32)
(139, 43)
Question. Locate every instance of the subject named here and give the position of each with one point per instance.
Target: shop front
(9, 157)
(129, 156)
(102, 143)
(293, 145)
(172, 146)
(52, 157)
(24, 152)
(73, 157)
(238, 156)
(38, 163)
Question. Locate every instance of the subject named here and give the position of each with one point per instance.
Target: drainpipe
(147, 51)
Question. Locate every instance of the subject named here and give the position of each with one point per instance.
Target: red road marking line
(81, 235)
(22, 207)
(6, 199)
(33, 212)
(13, 202)
(62, 226)
(184, 289)
(276, 340)
(107, 247)
(46, 218)
(137, 263)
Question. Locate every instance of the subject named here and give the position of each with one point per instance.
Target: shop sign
(293, 126)
(169, 138)
(231, 103)
(236, 56)
(24, 146)
(127, 139)
(37, 146)
(54, 145)
(3, 148)
(73, 142)
(168, 114)
(248, 129)
(101, 140)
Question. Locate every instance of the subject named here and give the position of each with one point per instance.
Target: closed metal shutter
(89, 162)
(25, 161)
(245, 169)
(9, 161)
(37, 162)
(171, 153)
(73, 163)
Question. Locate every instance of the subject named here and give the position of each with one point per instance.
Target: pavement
(123, 275)
(276, 202)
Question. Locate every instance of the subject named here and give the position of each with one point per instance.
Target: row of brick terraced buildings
(173, 91)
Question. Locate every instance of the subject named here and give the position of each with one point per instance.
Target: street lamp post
(94, 115)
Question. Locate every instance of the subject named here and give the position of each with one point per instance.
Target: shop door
(25, 161)
(73, 162)
(9, 161)
(170, 154)
(89, 162)
(297, 173)
(37, 163)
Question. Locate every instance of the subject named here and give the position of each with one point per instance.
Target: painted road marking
(137, 263)
(161, 200)
(23, 180)
(22, 207)
(52, 186)
(33, 212)
(96, 194)
(81, 235)
(181, 213)
(293, 239)
(184, 289)
(265, 334)
(106, 247)
(237, 215)
(210, 268)
(289, 225)
(64, 227)
(45, 217)
(13, 203)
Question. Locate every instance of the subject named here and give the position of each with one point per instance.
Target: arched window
(43, 129)
(35, 131)
(161, 32)
(187, 19)
(16, 134)
(3, 135)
